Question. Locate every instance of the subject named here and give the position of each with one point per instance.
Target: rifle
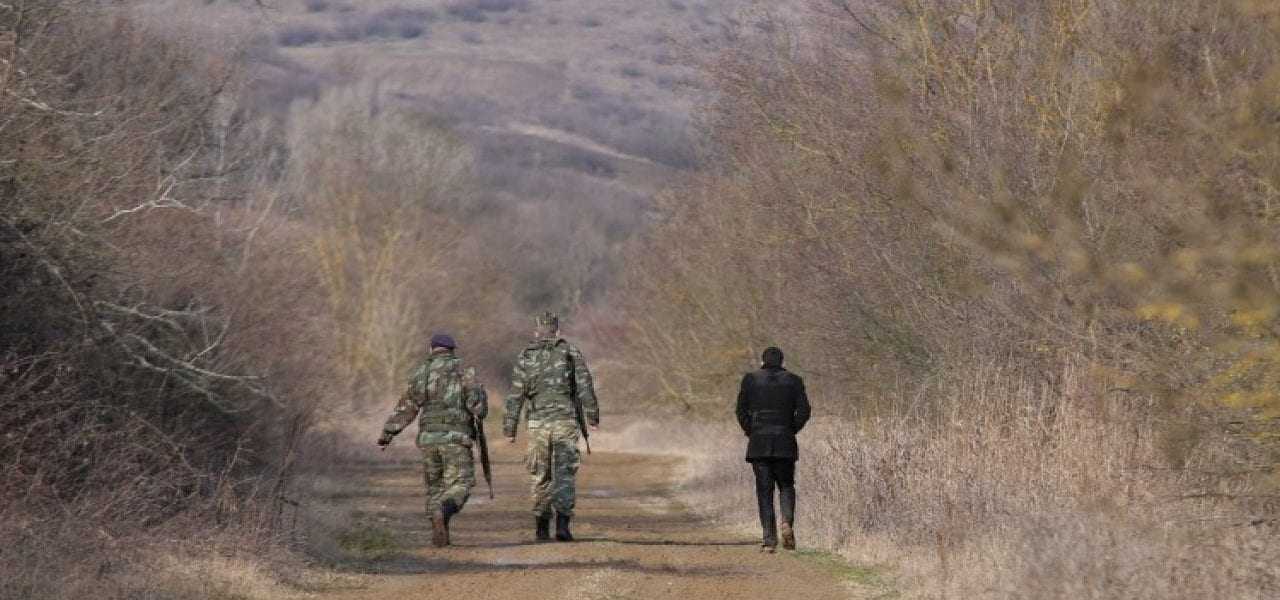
(477, 433)
(577, 405)
(582, 426)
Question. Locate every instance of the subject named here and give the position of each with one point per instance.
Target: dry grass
(1006, 490)
(166, 564)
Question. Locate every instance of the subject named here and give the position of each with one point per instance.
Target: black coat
(772, 409)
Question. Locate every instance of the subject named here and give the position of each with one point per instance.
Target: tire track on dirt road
(635, 541)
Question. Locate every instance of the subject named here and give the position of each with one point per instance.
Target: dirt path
(634, 541)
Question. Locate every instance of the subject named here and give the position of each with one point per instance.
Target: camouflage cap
(548, 321)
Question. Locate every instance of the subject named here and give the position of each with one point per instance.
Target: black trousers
(771, 473)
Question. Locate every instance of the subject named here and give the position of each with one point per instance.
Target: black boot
(544, 528)
(449, 508)
(562, 528)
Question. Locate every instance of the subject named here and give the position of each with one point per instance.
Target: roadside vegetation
(1025, 255)
(153, 378)
(219, 251)
(197, 288)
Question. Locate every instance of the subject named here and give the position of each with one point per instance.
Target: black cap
(443, 340)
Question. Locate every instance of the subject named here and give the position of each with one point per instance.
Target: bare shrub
(404, 23)
(152, 384)
(905, 262)
(161, 337)
(410, 31)
(468, 13)
(300, 35)
(385, 189)
(677, 83)
(475, 11)
(898, 210)
(502, 5)
(664, 58)
(276, 82)
(585, 92)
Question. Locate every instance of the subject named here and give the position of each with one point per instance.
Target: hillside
(576, 111)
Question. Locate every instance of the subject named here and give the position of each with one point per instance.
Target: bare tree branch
(844, 5)
(53, 269)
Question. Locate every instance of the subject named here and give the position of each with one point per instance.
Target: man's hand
(511, 439)
(595, 428)
(384, 440)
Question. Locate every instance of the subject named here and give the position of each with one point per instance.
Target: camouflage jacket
(443, 396)
(546, 376)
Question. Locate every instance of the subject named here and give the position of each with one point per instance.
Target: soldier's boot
(439, 531)
(543, 528)
(448, 509)
(562, 528)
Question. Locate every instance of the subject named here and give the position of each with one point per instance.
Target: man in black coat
(772, 409)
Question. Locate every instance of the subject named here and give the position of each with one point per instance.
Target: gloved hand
(385, 439)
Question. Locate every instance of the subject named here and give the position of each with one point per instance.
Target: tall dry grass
(1005, 489)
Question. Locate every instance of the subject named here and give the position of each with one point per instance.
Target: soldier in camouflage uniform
(551, 384)
(443, 396)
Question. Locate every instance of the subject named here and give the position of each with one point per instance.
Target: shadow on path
(640, 542)
(607, 540)
(415, 565)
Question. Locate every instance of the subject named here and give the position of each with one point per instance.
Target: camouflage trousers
(553, 462)
(449, 472)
